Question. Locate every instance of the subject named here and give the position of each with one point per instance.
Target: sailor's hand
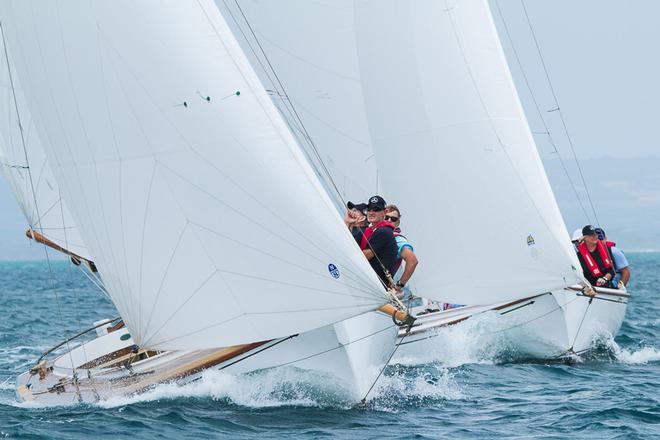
(601, 281)
(351, 218)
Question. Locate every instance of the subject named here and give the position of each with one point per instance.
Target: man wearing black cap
(378, 242)
(595, 259)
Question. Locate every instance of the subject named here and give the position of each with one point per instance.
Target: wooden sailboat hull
(548, 326)
(349, 353)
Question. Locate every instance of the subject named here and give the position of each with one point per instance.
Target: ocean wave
(643, 355)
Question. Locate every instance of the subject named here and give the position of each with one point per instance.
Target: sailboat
(213, 236)
(415, 100)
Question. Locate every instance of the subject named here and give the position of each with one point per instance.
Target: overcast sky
(602, 59)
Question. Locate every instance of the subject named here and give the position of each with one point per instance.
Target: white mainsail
(208, 225)
(438, 108)
(22, 157)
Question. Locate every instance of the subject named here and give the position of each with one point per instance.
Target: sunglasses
(375, 209)
(391, 219)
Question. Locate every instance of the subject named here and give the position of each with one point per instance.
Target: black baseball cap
(359, 206)
(376, 202)
(588, 230)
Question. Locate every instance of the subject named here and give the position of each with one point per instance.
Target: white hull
(548, 326)
(350, 353)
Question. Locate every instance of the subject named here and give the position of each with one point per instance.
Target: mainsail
(24, 165)
(427, 88)
(208, 225)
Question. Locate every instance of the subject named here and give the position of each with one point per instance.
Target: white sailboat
(419, 94)
(208, 225)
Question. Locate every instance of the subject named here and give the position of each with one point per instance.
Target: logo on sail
(530, 240)
(333, 270)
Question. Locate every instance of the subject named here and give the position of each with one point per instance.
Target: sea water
(471, 392)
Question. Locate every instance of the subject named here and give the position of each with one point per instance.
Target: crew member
(405, 252)
(378, 242)
(621, 266)
(595, 260)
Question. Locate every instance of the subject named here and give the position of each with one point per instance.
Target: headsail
(438, 107)
(476, 199)
(208, 225)
(22, 156)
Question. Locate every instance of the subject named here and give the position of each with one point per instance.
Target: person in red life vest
(378, 242)
(405, 252)
(595, 259)
(621, 266)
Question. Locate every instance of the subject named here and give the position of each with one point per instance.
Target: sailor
(405, 251)
(378, 242)
(619, 260)
(595, 260)
(356, 220)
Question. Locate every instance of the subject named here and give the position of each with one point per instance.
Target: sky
(601, 58)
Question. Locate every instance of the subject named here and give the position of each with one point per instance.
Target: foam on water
(479, 340)
(295, 387)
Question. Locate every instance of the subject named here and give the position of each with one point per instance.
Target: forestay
(425, 86)
(26, 169)
(476, 201)
(208, 225)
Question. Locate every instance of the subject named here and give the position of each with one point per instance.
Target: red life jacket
(591, 264)
(366, 235)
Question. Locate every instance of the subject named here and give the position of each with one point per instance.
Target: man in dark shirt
(378, 241)
(595, 260)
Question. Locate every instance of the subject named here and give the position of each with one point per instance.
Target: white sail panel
(424, 85)
(308, 50)
(455, 152)
(208, 225)
(22, 155)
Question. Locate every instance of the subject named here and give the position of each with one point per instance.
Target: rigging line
(577, 333)
(20, 167)
(339, 346)
(561, 115)
(70, 274)
(538, 109)
(387, 363)
(310, 140)
(34, 195)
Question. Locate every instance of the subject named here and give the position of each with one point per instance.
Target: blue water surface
(615, 393)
